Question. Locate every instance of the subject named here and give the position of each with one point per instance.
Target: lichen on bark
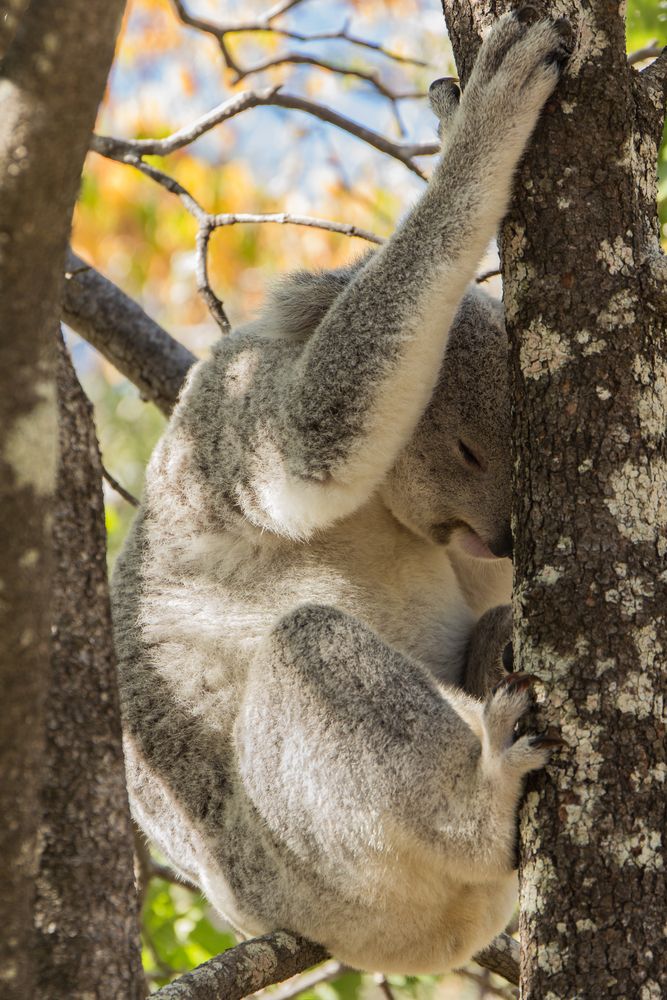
(587, 322)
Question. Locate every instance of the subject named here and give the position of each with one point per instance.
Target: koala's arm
(336, 415)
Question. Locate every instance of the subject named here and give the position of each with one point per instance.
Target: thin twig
(215, 306)
(384, 987)
(115, 485)
(286, 218)
(650, 51)
(261, 24)
(485, 275)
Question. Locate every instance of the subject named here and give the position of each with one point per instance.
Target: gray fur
(297, 609)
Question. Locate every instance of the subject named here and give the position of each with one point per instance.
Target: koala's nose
(502, 546)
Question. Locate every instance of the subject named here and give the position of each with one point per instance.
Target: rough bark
(127, 337)
(56, 56)
(585, 303)
(243, 970)
(86, 905)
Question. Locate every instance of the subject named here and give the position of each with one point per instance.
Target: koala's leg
(344, 743)
(488, 656)
(335, 418)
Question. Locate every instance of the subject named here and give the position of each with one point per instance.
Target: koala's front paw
(504, 707)
(517, 69)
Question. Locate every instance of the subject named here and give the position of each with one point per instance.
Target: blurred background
(373, 66)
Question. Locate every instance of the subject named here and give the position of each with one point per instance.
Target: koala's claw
(514, 683)
(547, 741)
(527, 14)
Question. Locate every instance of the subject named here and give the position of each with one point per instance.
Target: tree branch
(120, 149)
(287, 218)
(651, 51)
(117, 488)
(501, 957)
(245, 969)
(121, 331)
(253, 965)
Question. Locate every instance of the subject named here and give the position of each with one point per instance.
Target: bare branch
(501, 957)
(485, 275)
(651, 51)
(121, 149)
(245, 969)
(172, 185)
(383, 986)
(286, 218)
(127, 337)
(214, 304)
(120, 490)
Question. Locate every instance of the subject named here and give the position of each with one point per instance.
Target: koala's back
(197, 590)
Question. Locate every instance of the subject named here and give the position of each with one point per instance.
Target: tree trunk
(55, 58)
(585, 303)
(86, 907)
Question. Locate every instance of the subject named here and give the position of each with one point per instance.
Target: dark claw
(515, 682)
(564, 29)
(527, 14)
(548, 741)
(508, 657)
(561, 55)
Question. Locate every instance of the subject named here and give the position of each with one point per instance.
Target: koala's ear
(444, 96)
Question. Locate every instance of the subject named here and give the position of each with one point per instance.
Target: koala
(310, 609)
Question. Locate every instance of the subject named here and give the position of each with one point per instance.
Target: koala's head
(452, 481)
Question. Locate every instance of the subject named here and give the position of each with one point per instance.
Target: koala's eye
(468, 456)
